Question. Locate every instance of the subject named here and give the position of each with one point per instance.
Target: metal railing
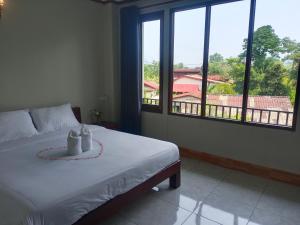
(150, 101)
(254, 115)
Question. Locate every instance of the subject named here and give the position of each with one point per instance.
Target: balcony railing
(254, 115)
(150, 101)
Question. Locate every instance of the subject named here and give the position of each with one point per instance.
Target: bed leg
(175, 180)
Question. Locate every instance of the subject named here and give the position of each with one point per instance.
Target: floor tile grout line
(255, 207)
(206, 197)
(187, 219)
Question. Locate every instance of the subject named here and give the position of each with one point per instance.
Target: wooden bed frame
(111, 207)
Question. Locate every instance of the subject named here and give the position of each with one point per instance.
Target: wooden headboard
(77, 113)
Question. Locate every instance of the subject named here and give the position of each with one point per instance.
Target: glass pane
(151, 62)
(226, 71)
(189, 27)
(275, 59)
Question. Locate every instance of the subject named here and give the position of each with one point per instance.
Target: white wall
(267, 147)
(56, 51)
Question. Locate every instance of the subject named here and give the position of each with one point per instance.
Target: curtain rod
(160, 3)
(132, 1)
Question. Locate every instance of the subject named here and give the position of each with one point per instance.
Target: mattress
(35, 191)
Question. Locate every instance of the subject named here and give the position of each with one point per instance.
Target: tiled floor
(211, 195)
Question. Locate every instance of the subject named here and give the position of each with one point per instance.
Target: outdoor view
(274, 70)
(151, 58)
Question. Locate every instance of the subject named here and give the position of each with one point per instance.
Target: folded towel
(74, 143)
(87, 139)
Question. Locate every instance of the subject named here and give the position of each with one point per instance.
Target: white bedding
(40, 192)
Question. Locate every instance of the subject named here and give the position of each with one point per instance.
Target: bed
(36, 190)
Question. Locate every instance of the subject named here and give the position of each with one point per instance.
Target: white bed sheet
(41, 192)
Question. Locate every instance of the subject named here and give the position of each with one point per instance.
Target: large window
(188, 61)
(275, 61)
(236, 61)
(151, 42)
(228, 28)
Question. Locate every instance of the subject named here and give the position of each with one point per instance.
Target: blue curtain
(131, 100)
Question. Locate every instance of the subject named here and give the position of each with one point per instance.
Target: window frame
(147, 17)
(248, 65)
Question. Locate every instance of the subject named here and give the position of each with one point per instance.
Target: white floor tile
(225, 211)
(281, 199)
(153, 211)
(195, 219)
(241, 187)
(211, 195)
(261, 217)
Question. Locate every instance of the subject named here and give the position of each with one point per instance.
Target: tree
(292, 50)
(151, 72)
(217, 57)
(272, 83)
(237, 73)
(217, 68)
(179, 66)
(265, 43)
(222, 89)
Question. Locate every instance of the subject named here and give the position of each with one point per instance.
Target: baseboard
(250, 168)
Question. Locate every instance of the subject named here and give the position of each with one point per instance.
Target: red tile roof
(188, 70)
(186, 88)
(216, 77)
(151, 84)
(266, 102)
(196, 95)
(210, 79)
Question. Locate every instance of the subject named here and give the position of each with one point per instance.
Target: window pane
(189, 29)
(151, 62)
(275, 59)
(226, 71)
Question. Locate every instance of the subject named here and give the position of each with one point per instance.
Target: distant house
(186, 88)
(185, 71)
(151, 89)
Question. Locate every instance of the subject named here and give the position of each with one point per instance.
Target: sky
(229, 27)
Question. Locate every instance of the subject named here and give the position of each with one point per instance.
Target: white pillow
(15, 125)
(53, 118)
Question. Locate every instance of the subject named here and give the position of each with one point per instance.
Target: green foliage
(270, 74)
(217, 68)
(274, 68)
(179, 66)
(151, 72)
(292, 49)
(236, 73)
(265, 43)
(216, 58)
(222, 89)
(272, 83)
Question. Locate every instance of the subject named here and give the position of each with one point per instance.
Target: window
(275, 60)
(151, 41)
(226, 68)
(188, 60)
(236, 61)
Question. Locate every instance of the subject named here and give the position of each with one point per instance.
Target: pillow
(53, 118)
(15, 125)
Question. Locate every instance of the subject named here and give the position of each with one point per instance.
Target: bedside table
(109, 125)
